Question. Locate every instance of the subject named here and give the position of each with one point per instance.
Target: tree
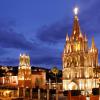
(54, 70)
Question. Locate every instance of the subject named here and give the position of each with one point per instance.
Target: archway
(72, 86)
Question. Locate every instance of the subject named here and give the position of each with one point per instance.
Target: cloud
(54, 33)
(12, 43)
(9, 38)
(88, 19)
(46, 61)
(46, 47)
(9, 61)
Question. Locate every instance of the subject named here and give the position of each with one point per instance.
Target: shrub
(95, 91)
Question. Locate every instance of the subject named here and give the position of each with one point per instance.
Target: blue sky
(39, 27)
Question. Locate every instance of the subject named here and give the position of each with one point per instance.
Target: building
(24, 81)
(24, 76)
(38, 79)
(19, 81)
(79, 61)
(8, 81)
(8, 77)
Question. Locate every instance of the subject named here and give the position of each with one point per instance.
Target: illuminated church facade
(79, 61)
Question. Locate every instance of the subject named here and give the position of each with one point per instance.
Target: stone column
(24, 92)
(18, 92)
(48, 88)
(56, 94)
(99, 91)
(47, 94)
(69, 95)
(56, 91)
(38, 94)
(31, 93)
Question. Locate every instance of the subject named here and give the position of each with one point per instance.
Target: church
(79, 60)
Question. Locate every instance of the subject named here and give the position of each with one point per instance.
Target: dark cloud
(9, 38)
(88, 19)
(40, 53)
(43, 48)
(53, 33)
(9, 61)
(47, 60)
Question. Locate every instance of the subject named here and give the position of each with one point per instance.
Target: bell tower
(24, 75)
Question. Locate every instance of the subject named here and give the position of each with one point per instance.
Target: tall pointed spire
(85, 38)
(76, 27)
(67, 38)
(93, 43)
(80, 35)
(93, 46)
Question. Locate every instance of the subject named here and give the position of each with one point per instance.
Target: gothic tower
(79, 60)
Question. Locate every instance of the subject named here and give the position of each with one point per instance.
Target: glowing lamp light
(76, 10)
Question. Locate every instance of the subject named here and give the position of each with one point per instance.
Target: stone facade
(79, 61)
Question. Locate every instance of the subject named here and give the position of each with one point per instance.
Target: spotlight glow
(76, 10)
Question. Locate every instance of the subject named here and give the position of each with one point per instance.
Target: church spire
(80, 35)
(93, 47)
(67, 38)
(76, 27)
(85, 38)
(93, 43)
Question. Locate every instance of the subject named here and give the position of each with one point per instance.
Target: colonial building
(21, 81)
(79, 61)
(24, 75)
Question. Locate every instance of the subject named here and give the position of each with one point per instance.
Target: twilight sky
(39, 27)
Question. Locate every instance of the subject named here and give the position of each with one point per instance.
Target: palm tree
(55, 72)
